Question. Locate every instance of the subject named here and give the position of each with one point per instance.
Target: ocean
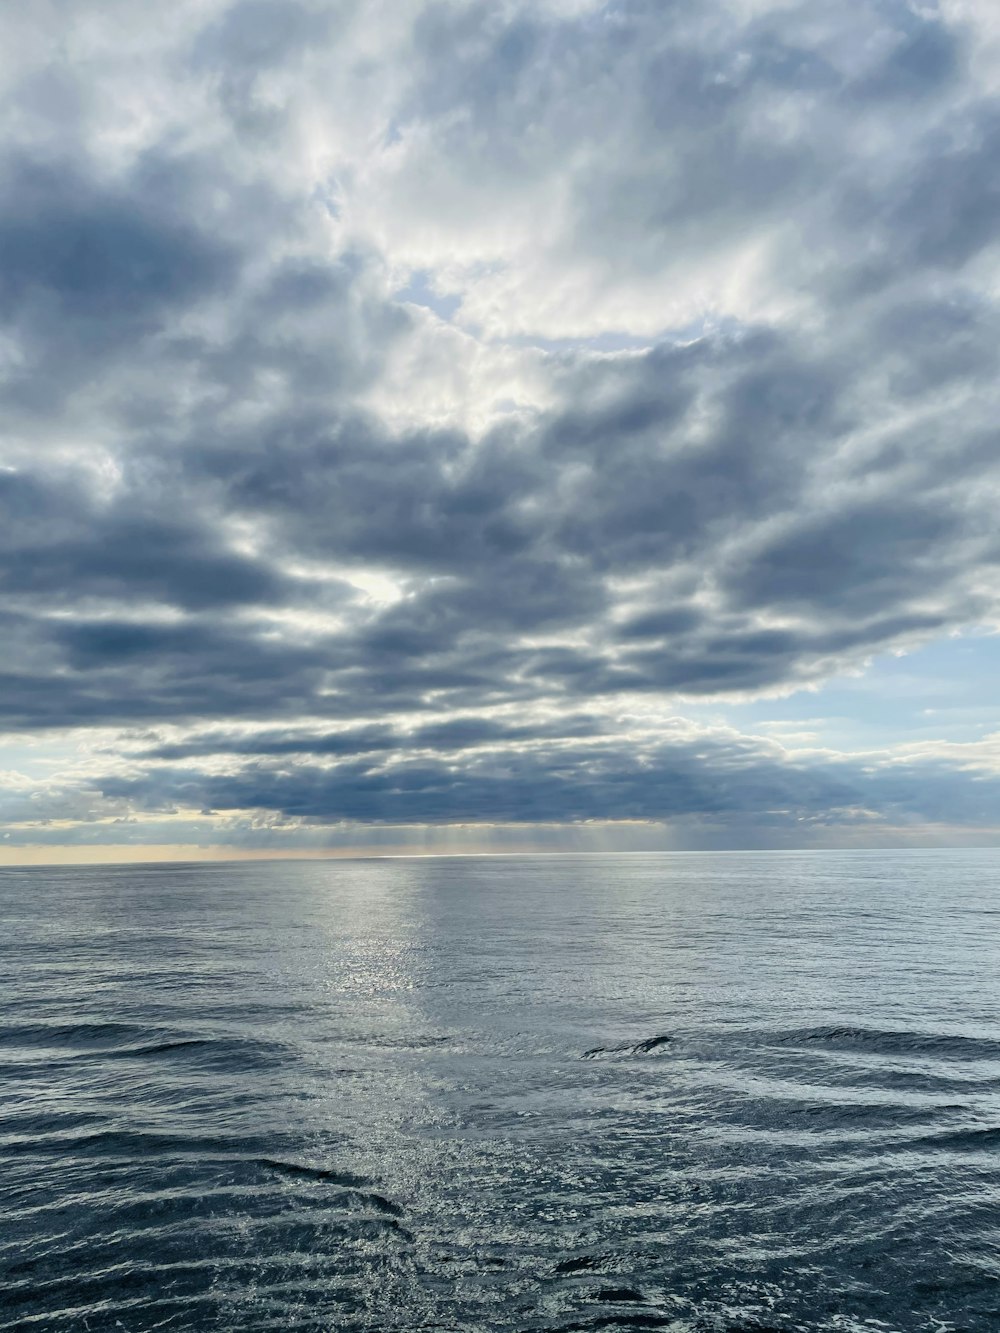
(709, 1093)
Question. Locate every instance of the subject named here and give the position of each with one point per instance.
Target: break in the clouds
(423, 414)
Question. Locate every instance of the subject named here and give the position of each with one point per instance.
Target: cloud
(681, 783)
(367, 384)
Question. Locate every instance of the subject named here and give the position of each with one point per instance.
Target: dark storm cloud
(516, 536)
(205, 466)
(106, 672)
(57, 542)
(76, 250)
(460, 733)
(705, 778)
(90, 268)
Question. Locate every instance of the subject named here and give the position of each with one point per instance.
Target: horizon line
(327, 857)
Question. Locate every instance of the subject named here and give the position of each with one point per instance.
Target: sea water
(687, 1092)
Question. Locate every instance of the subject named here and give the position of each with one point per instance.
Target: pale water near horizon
(689, 1092)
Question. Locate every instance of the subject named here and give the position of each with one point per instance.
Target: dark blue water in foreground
(733, 1092)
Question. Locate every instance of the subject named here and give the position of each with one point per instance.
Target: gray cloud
(479, 778)
(216, 508)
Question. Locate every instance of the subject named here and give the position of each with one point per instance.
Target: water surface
(690, 1092)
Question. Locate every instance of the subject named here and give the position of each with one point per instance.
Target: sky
(433, 425)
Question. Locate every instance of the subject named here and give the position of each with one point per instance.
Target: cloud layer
(401, 400)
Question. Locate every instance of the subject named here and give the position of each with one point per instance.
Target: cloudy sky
(532, 423)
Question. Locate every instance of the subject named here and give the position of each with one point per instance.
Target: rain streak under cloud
(484, 424)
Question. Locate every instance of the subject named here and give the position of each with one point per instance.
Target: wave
(580, 1263)
(166, 1048)
(643, 1047)
(639, 1319)
(959, 1140)
(344, 1178)
(891, 1041)
(102, 1034)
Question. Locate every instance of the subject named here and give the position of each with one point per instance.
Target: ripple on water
(712, 1095)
